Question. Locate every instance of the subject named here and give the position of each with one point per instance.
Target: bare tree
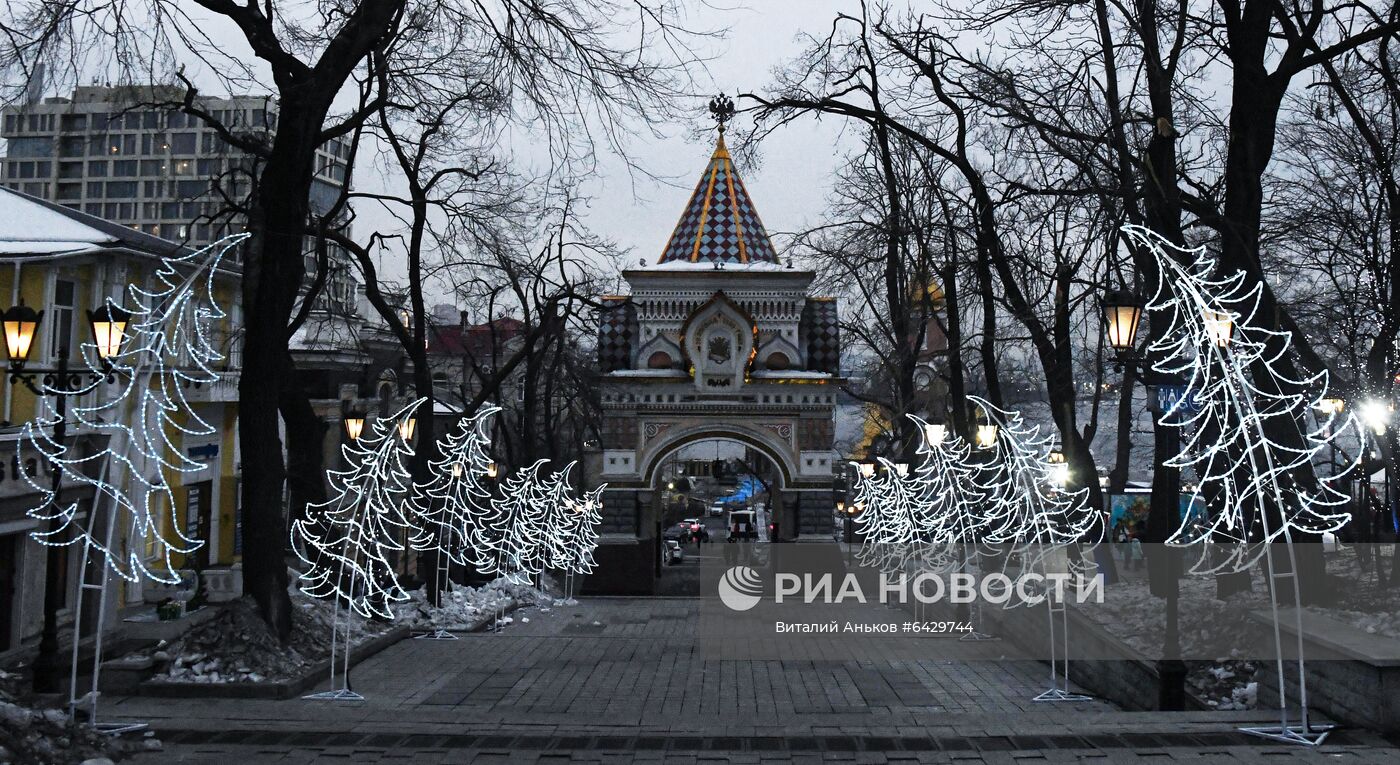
(558, 65)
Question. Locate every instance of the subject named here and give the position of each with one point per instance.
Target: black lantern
(1122, 312)
(21, 322)
(108, 325)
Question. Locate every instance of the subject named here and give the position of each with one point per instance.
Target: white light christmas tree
(585, 518)
(1260, 492)
(949, 501)
(145, 416)
(885, 503)
(168, 345)
(348, 542)
(509, 541)
(1023, 509)
(1024, 513)
(454, 499)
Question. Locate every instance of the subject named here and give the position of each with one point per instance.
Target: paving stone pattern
(620, 680)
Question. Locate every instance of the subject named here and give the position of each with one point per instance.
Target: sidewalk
(613, 678)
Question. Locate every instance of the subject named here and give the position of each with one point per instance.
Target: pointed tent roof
(720, 224)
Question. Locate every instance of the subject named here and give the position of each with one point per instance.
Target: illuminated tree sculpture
(144, 414)
(508, 543)
(348, 542)
(885, 502)
(1261, 489)
(456, 496)
(570, 532)
(1032, 521)
(585, 518)
(144, 359)
(949, 502)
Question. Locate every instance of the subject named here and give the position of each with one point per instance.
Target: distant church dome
(719, 224)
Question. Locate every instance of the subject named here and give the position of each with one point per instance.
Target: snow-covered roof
(34, 227)
(647, 373)
(803, 374)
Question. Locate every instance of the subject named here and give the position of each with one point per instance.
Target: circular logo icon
(740, 588)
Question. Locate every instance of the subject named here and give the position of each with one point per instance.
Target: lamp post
(21, 323)
(1375, 414)
(1122, 311)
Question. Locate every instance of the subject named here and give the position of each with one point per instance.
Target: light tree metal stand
(453, 499)
(1037, 522)
(347, 540)
(170, 347)
(1214, 343)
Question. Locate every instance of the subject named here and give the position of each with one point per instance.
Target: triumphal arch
(716, 339)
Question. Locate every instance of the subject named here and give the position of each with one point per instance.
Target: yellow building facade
(64, 263)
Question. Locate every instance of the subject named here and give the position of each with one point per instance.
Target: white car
(674, 552)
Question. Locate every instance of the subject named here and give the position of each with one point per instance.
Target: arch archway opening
(706, 491)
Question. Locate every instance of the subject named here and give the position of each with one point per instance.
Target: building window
(182, 143)
(61, 309)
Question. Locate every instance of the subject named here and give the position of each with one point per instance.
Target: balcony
(222, 390)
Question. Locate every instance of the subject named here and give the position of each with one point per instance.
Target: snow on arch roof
(719, 223)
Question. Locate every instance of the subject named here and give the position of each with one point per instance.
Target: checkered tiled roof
(719, 223)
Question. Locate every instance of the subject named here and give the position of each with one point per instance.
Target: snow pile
(470, 608)
(236, 647)
(46, 737)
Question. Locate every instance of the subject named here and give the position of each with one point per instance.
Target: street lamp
(1374, 414)
(108, 325)
(935, 433)
(406, 428)
(1122, 313)
(986, 435)
(1059, 469)
(1122, 318)
(20, 324)
(1219, 326)
(492, 470)
(354, 425)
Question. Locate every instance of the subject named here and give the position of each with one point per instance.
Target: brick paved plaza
(622, 679)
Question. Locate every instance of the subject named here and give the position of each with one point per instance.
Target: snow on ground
(470, 608)
(236, 646)
(43, 736)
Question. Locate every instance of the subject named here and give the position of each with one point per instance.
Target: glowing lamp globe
(1122, 313)
(1219, 326)
(354, 425)
(1374, 414)
(109, 325)
(935, 432)
(406, 428)
(986, 435)
(1331, 405)
(20, 322)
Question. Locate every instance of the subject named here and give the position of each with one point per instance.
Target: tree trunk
(272, 277)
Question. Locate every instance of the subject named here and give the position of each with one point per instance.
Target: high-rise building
(104, 152)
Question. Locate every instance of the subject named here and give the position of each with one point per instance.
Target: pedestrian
(1135, 548)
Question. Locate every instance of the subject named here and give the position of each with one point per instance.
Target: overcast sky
(789, 187)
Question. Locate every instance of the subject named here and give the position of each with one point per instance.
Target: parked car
(717, 509)
(674, 552)
(698, 529)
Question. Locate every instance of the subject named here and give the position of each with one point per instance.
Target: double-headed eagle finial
(721, 109)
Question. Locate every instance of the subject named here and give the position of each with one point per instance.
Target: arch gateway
(717, 339)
